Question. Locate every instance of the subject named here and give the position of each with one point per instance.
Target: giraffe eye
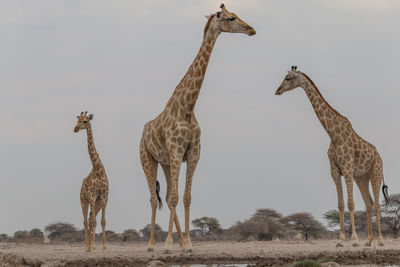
(287, 79)
(231, 19)
(84, 121)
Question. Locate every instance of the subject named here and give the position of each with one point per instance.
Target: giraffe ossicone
(94, 189)
(174, 135)
(349, 155)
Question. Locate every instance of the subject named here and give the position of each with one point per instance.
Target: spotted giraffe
(94, 190)
(174, 136)
(349, 156)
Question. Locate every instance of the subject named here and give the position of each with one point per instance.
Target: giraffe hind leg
(363, 184)
(376, 177)
(101, 205)
(193, 159)
(167, 173)
(348, 177)
(149, 166)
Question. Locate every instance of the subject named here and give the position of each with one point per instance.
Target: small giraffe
(174, 136)
(349, 155)
(94, 190)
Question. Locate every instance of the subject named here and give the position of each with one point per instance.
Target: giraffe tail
(158, 195)
(385, 192)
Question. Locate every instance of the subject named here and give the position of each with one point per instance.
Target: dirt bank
(277, 253)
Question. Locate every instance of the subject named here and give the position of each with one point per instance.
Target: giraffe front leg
(93, 224)
(350, 203)
(173, 199)
(193, 159)
(336, 176)
(85, 208)
(103, 226)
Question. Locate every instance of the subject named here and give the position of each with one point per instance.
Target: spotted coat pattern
(94, 190)
(173, 136)
(349, 155)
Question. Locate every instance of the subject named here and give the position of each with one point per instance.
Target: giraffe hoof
(188, 250)
(167, 251)
(368, 244)
(339, 245)
(104, 248)
(356, 245)
(150, 249)
(381, 244)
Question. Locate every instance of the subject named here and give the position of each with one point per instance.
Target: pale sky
(121, 60)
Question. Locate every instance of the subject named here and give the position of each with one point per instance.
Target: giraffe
(94, 190)
(173, 136)
(349, 155)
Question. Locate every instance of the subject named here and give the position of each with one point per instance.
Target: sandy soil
(272, 253)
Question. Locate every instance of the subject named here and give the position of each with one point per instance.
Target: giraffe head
(292, 80)
(83, 121)
(225, 21)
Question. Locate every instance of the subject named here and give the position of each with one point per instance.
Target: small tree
(159, 234)
(390, 214)
(58, 229)
(36, 233)
(21, 235)
(262, 214)
(112, 236)
(3, 237)
(207, 226)
(131, 235)
(250, 229)
(272, 218)
(305, 223)
(333, 219)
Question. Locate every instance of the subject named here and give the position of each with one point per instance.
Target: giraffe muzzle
(251, 32)
(278, 92)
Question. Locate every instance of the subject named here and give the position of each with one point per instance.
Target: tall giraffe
(174, 135)
(94, 190)
(349, 155)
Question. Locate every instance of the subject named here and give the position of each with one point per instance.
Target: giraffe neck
(94, 156)
(186, 93)
(332, 121)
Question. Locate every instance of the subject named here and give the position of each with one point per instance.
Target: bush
(250, 229)
(130, 235)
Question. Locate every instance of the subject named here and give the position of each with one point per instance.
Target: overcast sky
(121, 60)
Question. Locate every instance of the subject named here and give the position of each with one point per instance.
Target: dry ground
(276, 253)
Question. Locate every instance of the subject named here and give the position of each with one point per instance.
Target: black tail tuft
(385, 193)
(158, 195)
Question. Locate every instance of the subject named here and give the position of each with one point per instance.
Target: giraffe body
(94, 189)
(174, 136)
(349, 155)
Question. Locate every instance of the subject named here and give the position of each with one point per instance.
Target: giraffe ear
(91, 117)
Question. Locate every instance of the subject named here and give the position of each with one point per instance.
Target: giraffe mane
(316, 88)
(208, 24)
